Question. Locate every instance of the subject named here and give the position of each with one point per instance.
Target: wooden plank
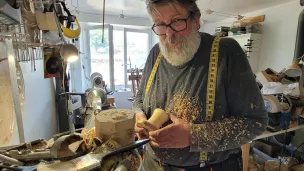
(245, 156)
(246, 148)
(251, 20)
(270, 134)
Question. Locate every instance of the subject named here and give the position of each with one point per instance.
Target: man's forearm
(225, 134)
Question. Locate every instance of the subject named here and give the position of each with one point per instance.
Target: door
(138, 45)
(100, 52)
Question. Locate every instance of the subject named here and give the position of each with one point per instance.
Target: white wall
(39, 118)
(113, 19)
(279, 34)
(39, 114)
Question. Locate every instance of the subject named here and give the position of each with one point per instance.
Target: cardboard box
(285, 164)
(268, 148)
(298, 168)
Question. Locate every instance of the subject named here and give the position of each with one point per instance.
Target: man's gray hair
(189, 5)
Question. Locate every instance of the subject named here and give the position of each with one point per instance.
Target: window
(137, 50)
(119, 62)
(99, 53)
(130, 50)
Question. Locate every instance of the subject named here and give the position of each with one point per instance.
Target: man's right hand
(140, 132)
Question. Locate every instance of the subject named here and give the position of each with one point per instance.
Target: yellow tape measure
(153, 73)
(211, 86)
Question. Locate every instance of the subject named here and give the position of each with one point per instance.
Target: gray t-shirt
(239, 114)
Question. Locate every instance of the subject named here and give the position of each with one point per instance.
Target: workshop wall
(279, 34)
(113, 19)
(39, 114)
(39, 118)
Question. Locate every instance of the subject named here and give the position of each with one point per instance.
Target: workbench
(266, 134)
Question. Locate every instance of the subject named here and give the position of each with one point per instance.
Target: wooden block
(245, 156)
(51, 21)
(256, 19)
(46, 21)
(41, 21)
(298, 168)
(116, 124)
(299, 110)
(263, 77)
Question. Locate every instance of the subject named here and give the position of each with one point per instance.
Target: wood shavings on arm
(225, 134)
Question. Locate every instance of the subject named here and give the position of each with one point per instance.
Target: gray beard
(183, 52)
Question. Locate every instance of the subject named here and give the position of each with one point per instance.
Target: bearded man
(179, 86)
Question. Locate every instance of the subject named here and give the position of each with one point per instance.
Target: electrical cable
(286, 128)
(209, 4)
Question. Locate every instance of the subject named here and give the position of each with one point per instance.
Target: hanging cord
(209, 5)
(103, 17)
(76, 7)
(3, 59)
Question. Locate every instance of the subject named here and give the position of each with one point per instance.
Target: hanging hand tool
(35, 58)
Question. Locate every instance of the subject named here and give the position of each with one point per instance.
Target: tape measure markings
(211, 87)
(153, 73)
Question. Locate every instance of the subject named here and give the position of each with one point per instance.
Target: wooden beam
(251, 20)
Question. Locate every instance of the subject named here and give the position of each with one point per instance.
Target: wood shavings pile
(119, 116)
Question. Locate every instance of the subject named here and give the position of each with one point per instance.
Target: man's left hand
(175, 135)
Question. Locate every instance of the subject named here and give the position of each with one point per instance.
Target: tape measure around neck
(211, 86)
(153, 73)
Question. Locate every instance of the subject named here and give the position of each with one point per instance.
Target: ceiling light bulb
(69, 52)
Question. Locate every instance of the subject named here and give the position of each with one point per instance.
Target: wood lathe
(91, 149)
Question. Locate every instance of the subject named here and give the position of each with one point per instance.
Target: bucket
(140, 167)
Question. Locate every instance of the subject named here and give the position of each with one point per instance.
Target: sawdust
(119, 116)
(218, 136)
(40, 145)
(184, 107)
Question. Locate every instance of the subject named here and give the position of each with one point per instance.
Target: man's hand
(175, 135)
(140, 131)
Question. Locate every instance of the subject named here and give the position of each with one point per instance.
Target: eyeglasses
(177, 26)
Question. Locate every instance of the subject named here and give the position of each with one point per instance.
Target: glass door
(119, 61)
(121, 50)
(137, 50)
(100, 52)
